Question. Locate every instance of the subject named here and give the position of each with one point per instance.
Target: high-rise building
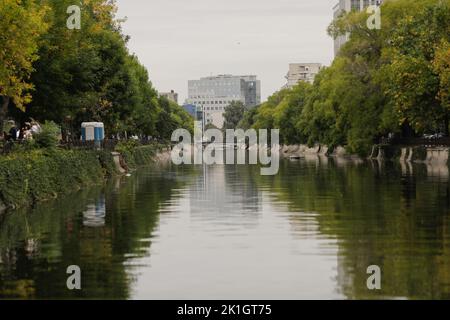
(213, 94)
(172, 95)
(301, 72)
(347, 6)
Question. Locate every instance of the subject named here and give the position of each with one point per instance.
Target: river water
(226, 232)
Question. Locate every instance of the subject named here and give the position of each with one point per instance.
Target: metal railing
(90, 145)
(107, 144)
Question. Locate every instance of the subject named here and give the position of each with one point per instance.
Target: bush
(26, 178)
(107, 162)
(136, 155)
(126, 149)
(144, 155)
(49, 135)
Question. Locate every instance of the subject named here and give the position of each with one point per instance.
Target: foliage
(21, 24)
(441, 66)
(49, 135)
(233, 114)
(31, 175)
(126, 146)
(171, 117)
(389, 81)
(248, 119)
(126, 149)
(415, 65)
(43, 174)
(89, 75)
(137, 155)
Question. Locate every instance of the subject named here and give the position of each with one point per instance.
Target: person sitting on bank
(25, 132)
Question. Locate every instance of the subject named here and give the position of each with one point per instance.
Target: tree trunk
(3, 112)
(446, 124)
(407, 131)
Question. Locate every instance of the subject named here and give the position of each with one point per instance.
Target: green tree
(234, 113)
(383, 81)
(288, 112)
(415, 65)
(441, 66)
(170, 118)
(89, 75)
(249, 118)
(82, 74)
(264, 118)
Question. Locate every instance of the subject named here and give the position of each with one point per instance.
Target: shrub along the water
(136, 155)
(28, 177)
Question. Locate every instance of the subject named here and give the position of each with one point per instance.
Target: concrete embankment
(304, 150)
(420, 154)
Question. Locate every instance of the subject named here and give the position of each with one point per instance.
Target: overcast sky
(181, 40)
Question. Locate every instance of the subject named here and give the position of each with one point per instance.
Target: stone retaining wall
(427, 155)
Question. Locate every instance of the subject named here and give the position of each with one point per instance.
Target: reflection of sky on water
(226, 237)
(227, 232)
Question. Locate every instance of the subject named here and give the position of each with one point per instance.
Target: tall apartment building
(301, 72)
(212, 95)
(347, 6)
(172, 95)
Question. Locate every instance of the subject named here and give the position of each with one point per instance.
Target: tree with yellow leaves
(21, 24)
(441, 66)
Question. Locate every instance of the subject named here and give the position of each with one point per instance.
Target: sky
(181, 40)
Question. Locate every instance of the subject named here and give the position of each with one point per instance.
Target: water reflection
(227, 232)
(95, 214)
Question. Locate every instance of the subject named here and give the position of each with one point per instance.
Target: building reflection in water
(95, 214)
(230, 190)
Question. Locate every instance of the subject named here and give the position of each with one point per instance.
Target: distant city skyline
(180, 40)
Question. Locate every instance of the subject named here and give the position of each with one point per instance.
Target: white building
(302, 72)
(347, 6)
(213, 94)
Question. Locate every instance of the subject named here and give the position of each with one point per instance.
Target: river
(226, 232)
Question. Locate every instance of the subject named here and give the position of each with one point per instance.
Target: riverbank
(413, 154)
(132, 155)
(43, 174)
